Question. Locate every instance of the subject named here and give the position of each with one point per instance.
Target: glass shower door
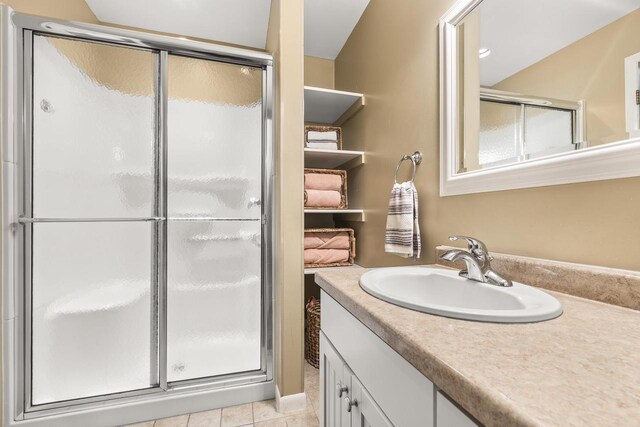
(90, 227)
(121, 217)
(214, 263)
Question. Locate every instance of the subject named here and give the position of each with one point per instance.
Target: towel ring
(416, 159)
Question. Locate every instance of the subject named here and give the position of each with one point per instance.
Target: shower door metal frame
(18, 31)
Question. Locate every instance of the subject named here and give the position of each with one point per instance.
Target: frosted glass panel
(215, 139)
(93, 129)
(91, 309)
(547, 131)
(214, 302)
(498, 132)
(214, 267)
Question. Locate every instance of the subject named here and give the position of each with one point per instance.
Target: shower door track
(25, 220)
(17, 33)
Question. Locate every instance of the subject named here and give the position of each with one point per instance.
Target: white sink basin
(443, 292)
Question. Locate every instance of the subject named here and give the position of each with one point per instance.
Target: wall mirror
(538, 93)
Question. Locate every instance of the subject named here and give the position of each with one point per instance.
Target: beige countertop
(582, 368)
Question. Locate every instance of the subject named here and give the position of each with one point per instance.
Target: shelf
(308, 271)
(329, 159)
(330, 106)
(354, 215)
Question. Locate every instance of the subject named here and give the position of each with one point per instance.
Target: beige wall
(285, 42)
(591, 69)
(112, 66)
(392, 57)
(319, 72)
(132, 71)
(71, 10)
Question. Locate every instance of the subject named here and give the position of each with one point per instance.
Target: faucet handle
(476, 247)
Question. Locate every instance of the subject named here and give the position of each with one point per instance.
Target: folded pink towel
(322, 199)
(337, 240)
(325, 256)
(322, 181)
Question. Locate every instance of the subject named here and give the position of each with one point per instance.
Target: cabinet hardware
(341, 389)
(350, 403)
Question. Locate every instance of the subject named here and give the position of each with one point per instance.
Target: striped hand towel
(403, 232)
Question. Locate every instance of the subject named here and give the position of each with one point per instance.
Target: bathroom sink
(442, 292)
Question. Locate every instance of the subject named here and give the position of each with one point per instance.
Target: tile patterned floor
(258, 414)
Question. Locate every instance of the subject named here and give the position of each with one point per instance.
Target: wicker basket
(344, 202)
(315, 128)
(312, 333)
(352, 247)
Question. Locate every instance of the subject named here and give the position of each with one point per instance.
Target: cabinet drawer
(405, 395)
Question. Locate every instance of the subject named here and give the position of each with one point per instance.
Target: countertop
(582, 368)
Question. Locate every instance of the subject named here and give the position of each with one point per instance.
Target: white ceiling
(242, 22)
(328, 24)
(522, 32)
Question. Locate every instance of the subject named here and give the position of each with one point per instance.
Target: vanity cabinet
(346, 401)
(364, 382)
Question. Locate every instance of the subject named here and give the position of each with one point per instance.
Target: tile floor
(258, 414)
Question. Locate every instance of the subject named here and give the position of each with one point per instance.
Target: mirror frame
(608, 161)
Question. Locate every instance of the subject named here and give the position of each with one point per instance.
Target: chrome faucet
(478, 261)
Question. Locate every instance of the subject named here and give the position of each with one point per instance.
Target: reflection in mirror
(545, 77)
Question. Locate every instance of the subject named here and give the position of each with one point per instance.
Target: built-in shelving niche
(331, 107)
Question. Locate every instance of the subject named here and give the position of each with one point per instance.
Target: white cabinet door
(448, 414)
(335, 385)
(364, 410)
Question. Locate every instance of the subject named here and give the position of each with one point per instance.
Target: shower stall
(137, 222)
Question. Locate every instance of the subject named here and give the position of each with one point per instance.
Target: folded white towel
(323, 145)
(403, 231)
(321, 141)
(313, 135)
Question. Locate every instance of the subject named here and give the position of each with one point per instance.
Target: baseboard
(290, 403)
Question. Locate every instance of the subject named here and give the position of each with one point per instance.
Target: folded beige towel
(322, 181)
(322, 199)
(337, 240)
(325, 256)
